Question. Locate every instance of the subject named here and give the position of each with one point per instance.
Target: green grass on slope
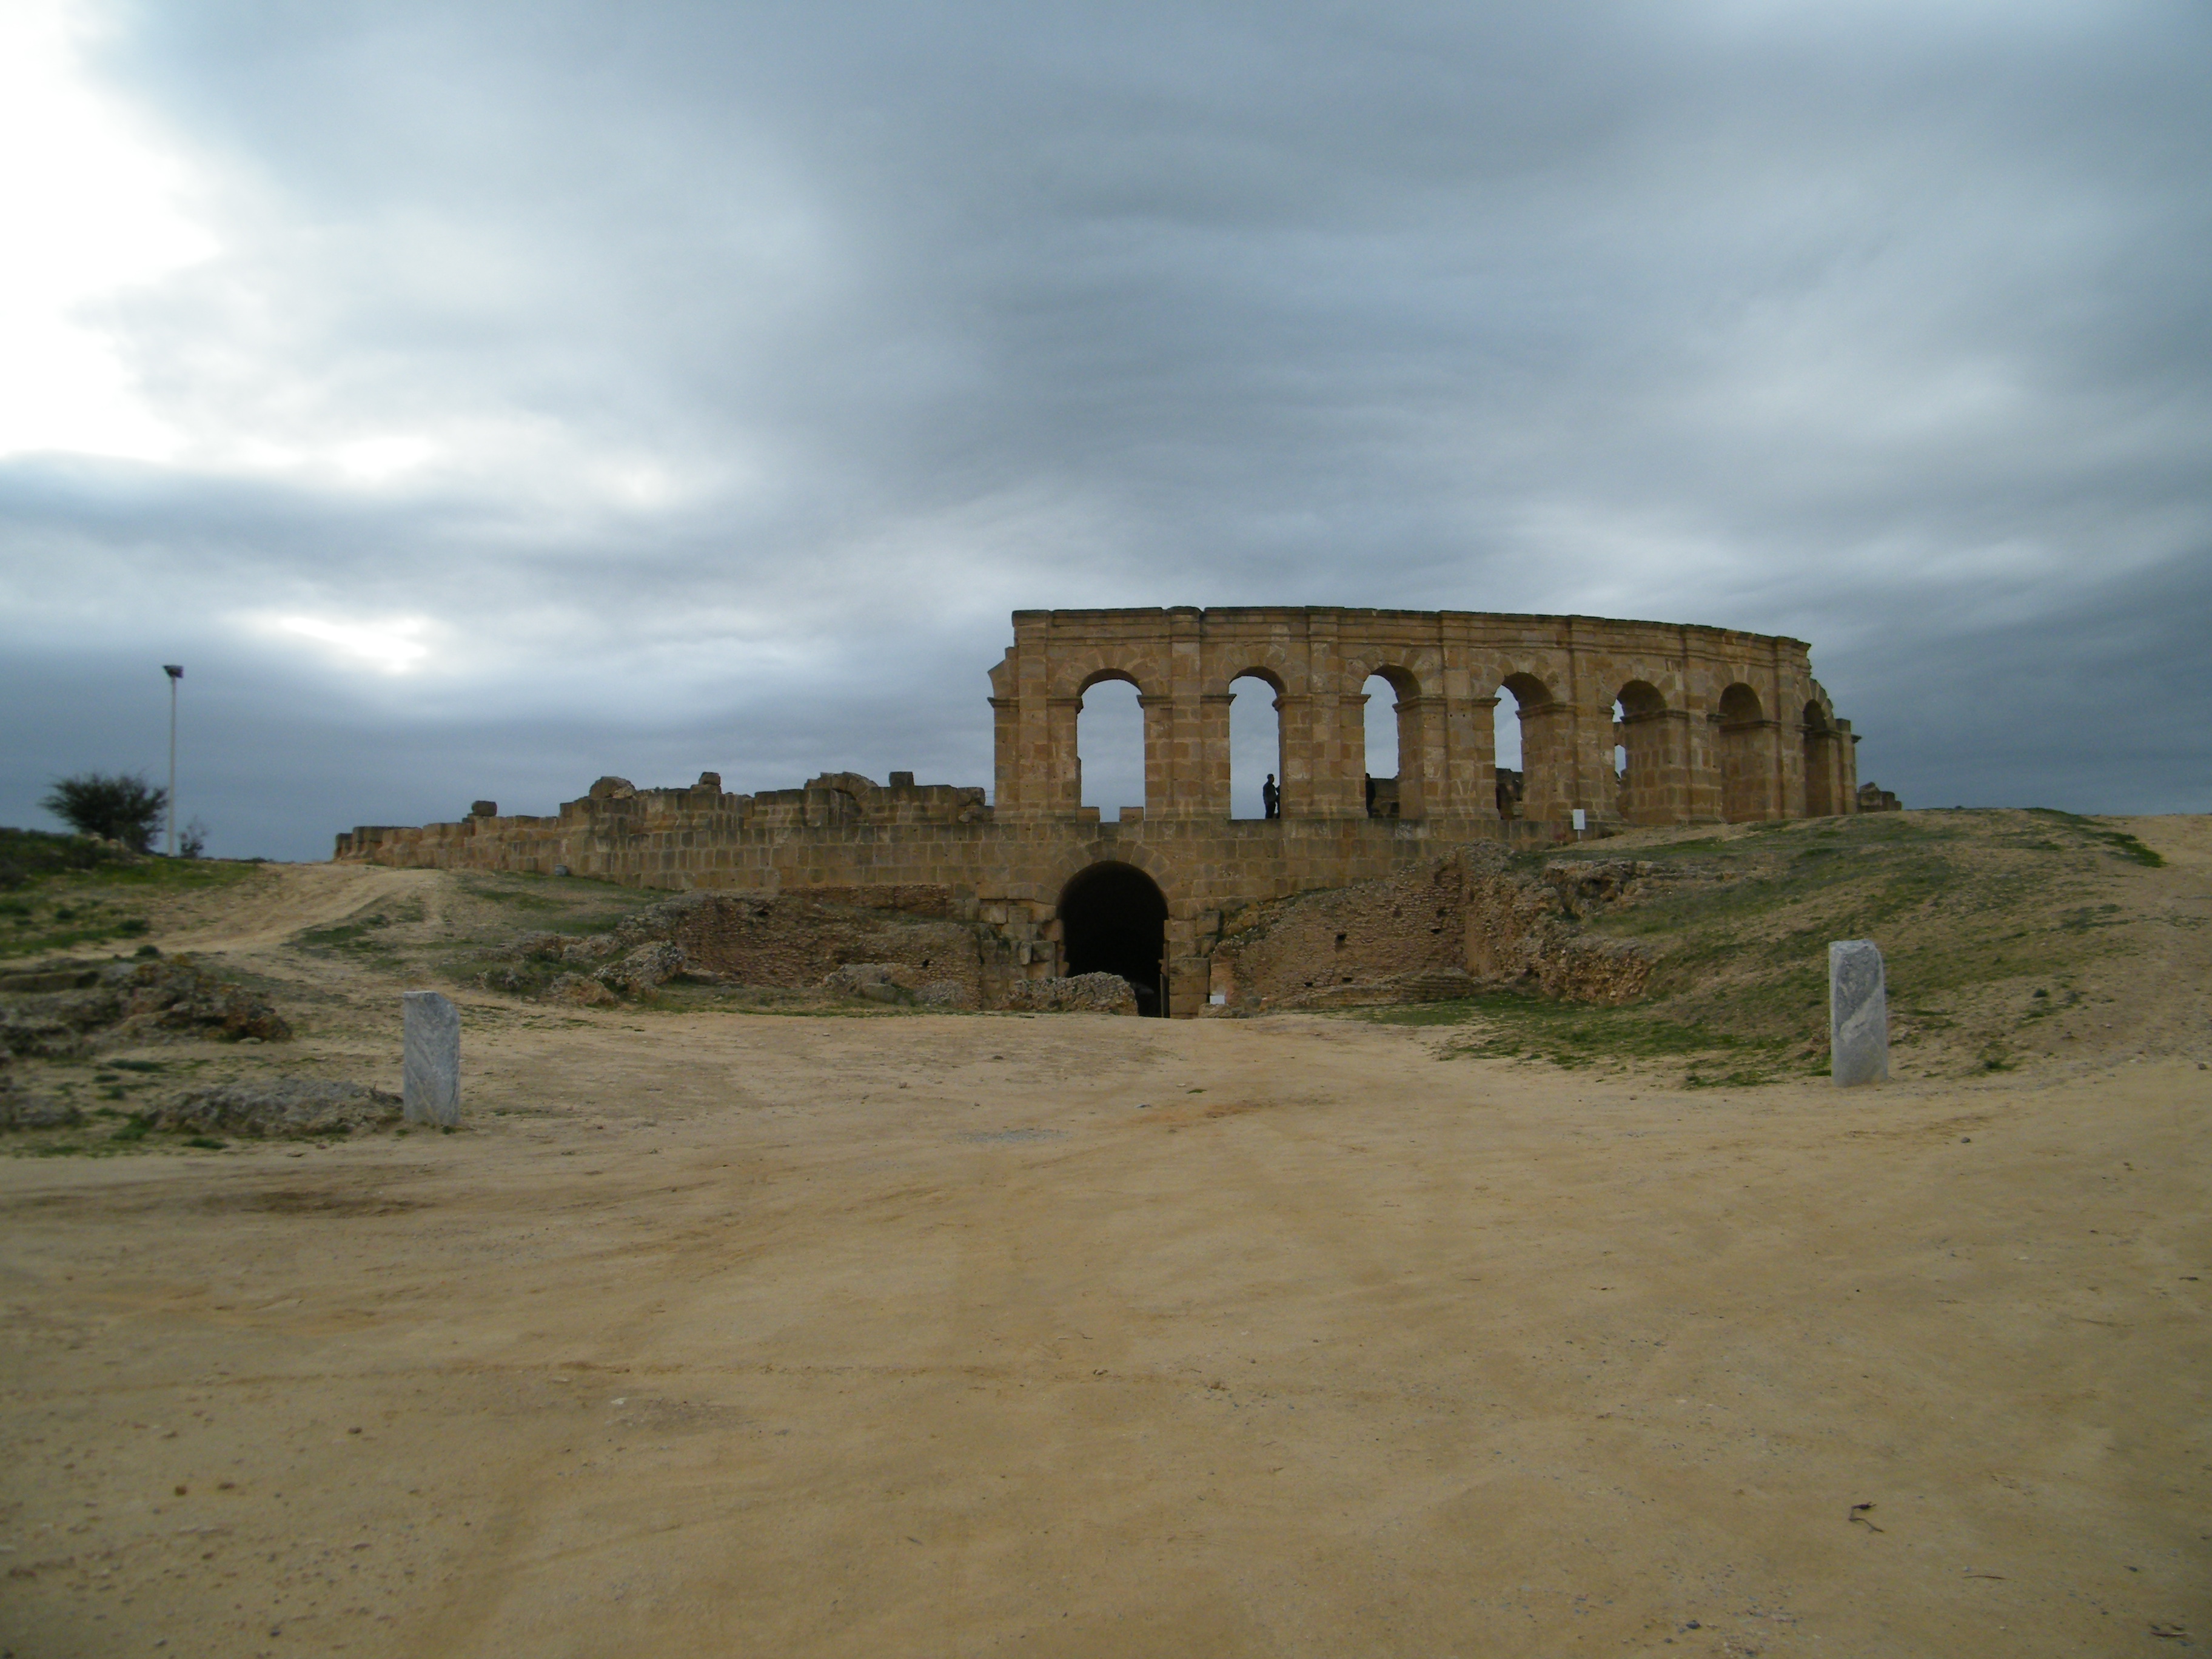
(481, 916)
(57, 891)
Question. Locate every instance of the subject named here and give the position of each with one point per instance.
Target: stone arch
(1400, 793)
(1648, 768)
(1259, 670)
(1254, 741)
(1744, 771)
(1123, 747)
(1819, 738)
(1103, 675)
(1534, 790)
(1113, 920)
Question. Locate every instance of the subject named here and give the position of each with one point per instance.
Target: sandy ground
(748, 1334)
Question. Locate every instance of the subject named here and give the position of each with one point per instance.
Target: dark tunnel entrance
(1114, 921)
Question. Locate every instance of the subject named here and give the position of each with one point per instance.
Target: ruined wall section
(1009, 877)
(782, 942)
(798, 942)
(1401, 936)
(1448, 927)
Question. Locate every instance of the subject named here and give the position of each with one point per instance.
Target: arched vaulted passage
(1114, 920)
(1744, 769)
(1820, 742)
(1531, 789)
(1384, 748)
(1647, 771)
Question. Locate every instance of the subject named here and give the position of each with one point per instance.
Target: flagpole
(175, 672)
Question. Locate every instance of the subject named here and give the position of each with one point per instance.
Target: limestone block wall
(798, 941)
(1407, 926)
(1713, 718)
(1007, 876)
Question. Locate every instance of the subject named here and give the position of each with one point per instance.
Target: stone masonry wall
(1407, 931)
(797, 942)
(1445, 927)
(1714, 723)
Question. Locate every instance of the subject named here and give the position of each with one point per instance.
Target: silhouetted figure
(1370, 795)
(1271, 799)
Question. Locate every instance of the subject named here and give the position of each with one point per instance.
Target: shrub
(124, 807)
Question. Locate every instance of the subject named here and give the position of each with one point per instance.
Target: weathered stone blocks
(431, 1041)
(1858, 1014)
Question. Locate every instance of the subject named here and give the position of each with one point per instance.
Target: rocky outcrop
(897, 982)
(76, 1003)
(1085, 994)
(781, 942)
(1521, 931)
(19, 1109)
(285, 1108)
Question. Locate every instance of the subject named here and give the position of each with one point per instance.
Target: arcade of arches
(1622, 723)
(1630, 722)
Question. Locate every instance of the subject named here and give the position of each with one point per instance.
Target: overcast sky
(478, 398)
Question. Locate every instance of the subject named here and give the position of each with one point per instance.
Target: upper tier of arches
(1627, 721)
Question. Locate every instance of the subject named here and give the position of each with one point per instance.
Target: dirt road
(724, 1334)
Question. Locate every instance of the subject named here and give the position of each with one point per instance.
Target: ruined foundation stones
(432, 1041)
(284, 1108)
(1080, 994)
(62, 1009)
(1858, 1014)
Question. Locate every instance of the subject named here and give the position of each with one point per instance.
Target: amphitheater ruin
(1621, 724)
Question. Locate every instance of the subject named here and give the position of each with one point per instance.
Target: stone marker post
(1858, 1014)
(432, 1037)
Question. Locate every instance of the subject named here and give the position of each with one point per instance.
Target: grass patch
(360, 933)
(569, 904)
(1575, 1036)
(63, 891)
(2119, 842)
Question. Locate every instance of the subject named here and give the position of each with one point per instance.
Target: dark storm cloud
(745, 365)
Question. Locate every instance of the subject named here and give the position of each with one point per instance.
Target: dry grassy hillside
(2009, 936)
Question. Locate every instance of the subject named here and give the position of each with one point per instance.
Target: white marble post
(1858, 1014)
(432, 1039)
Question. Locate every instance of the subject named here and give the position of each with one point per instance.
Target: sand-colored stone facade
(1715, 725)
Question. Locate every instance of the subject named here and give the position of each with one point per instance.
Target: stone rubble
(122, 1003)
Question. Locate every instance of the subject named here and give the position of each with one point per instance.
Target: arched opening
(1743, 769)
(1114, 920)
(1255, 746)
(1640, 753)
(1620, 758)
(1506, 745)
(1527, 782)
(1819, 739)
(1110, 744)
(1390, 694)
